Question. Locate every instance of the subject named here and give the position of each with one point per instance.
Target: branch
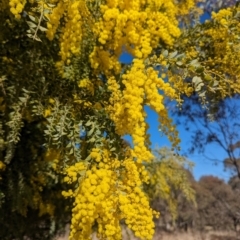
(39, 23)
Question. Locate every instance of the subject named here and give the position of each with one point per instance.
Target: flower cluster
(222, 15)
(127, 107)
(52, 156)
(136, 25)
(44, 208)
(16, 7)
(74, 14)
(224, 34)
(110, 191)
(87, 84)
(73, 171)
(54, 19)
(186, 6)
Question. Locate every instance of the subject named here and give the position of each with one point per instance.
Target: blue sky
(203, 166)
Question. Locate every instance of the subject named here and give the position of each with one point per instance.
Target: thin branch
(39, 22)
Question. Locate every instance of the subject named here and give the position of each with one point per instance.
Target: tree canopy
(66, 103)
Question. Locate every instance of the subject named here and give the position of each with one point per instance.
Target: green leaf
(51, 5)
(43, 29)
(196, 80)
(199, 87)
(30, 35)
(32, 18)
(22, 99)
(69, 145)
(202, 94)
(195, 63)
(92, 139)
(165, 53)
(26, 91)
(173, 54)
(90, 132)
(88, 158)
(179, 63)
(31, 24)
(30, 31)
(46, 131)
(45, 18)
(98, 132)
(47, 11)
(180, 56)
(88, 123)
(215, 83)
(37, 39)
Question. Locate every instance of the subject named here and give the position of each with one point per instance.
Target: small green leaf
(47, 11)
(30, 35)
(215, 83)
(88, 123)
(199, 87)
(30, 31)
(45, 18)
(37, 38)
(26, 91)
(92, 139)
(69, 145)
(179, 63)
(165, 53)
(32, 18)
(180, 56)
(43, 29)
(173, 54)
(51, 5)
(91, 132)
(31, 24)
(202, 94)
(196, 80)
(22, 99)
(195, 63)
(88, 158)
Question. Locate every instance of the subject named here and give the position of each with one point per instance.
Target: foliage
(216, 208)
(67, 102)
(169, 179)
(207, 56)
(217, 203)
(215, 5)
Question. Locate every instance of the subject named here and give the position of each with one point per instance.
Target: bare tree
(218, 128)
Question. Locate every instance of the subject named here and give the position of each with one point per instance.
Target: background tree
(212, 197)
(219, 128)
(169, 183)
(216, 208)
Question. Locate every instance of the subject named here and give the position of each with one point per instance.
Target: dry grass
(211, 235)
(197, 236)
